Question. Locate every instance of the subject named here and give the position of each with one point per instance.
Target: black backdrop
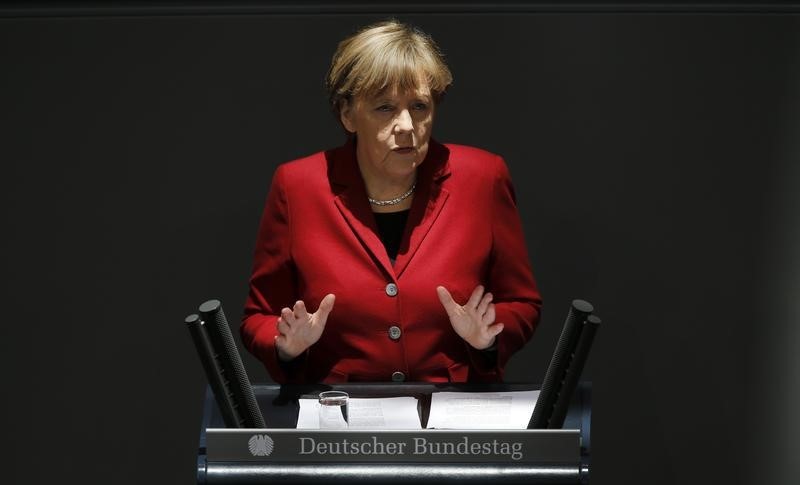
(654, 157)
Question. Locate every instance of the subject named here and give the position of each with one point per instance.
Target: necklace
(394, 201)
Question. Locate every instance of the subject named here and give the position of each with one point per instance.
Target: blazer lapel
(427, 205)
(351, 200)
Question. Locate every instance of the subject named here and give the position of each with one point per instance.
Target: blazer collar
(351, 200)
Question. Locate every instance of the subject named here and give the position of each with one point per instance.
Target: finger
(450, 306)
(494, 330)
(484, 304)
(283, 327)
(288, 316)
(300, 311)
(475, 298)
(489, 316)
(325, 307)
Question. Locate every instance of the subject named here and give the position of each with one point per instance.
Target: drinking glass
(333, 410)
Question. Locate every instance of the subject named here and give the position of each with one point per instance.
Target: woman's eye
(384, 107)
(420, 106)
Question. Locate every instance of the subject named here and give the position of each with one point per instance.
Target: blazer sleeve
(510, 279)
(272, 285)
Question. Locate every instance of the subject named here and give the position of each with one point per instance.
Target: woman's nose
(403, 124)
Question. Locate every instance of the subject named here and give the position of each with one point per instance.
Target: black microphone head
(582, 306)
(192, 319)
(210, 306)
(593, 319)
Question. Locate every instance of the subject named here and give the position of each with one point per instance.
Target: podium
(540, 457)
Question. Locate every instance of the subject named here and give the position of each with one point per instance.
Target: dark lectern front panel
(553, 456)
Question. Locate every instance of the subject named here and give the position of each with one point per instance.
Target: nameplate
(422, 446)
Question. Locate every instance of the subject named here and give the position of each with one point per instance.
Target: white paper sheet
(367, 413)
(482, 410)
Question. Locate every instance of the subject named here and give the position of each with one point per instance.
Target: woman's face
(393, 130)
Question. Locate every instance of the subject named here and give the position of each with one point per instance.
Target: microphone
(231, 363)
(552, 384)
(573, 371)
(214, 372)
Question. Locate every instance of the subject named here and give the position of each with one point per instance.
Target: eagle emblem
(260, 445)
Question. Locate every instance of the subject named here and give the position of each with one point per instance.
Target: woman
(392, 257)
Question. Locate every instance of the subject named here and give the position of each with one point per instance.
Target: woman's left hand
(474, 321)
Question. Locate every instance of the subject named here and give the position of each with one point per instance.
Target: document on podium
(367, 413)
(482, 410)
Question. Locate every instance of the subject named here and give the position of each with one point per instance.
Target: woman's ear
(346, 115)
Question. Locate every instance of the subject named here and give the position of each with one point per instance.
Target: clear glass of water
(333, 410)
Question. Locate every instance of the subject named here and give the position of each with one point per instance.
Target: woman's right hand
(298, 329)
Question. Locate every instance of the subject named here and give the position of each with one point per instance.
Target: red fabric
(318, 236)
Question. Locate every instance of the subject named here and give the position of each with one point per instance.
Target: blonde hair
(385, 55)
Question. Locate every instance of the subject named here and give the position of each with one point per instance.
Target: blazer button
(395, 332)
(391, 289)
(398, 376)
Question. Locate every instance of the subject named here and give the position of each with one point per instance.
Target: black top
(390, 228)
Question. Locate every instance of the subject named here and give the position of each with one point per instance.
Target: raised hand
(298, 329)
(474, 321)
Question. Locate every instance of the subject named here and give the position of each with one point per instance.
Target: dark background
(655, 157)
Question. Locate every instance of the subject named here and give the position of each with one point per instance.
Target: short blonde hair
(385, 55)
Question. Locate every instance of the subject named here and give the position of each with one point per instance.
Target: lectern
(281, 453)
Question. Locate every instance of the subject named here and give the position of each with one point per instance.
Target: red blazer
(318, 236)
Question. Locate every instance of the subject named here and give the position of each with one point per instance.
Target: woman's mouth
(403, 150)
